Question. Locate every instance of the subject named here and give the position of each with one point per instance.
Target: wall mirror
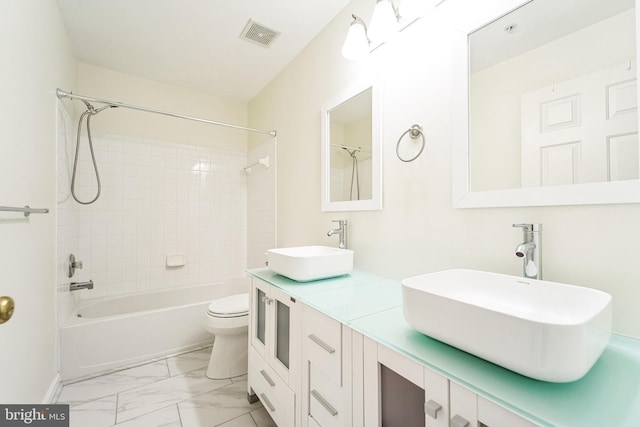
(351, 156)
(548, 108)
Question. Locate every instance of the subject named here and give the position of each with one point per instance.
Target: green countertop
(609, 395)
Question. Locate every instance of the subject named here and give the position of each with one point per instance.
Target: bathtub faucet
(74, 286)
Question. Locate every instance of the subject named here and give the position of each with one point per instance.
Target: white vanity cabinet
(326, 371)
(400, 391)
(274, 370)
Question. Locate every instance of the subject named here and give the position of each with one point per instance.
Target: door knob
(6, 308)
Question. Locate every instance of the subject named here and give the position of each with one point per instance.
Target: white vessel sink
(307, 263)
(544, 330)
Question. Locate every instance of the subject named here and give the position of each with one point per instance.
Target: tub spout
(74, 286)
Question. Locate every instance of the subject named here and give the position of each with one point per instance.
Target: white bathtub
(107, 334)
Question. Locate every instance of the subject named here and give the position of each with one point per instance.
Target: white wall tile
(156, 198)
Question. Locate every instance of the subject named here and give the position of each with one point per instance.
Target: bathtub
(108, 334)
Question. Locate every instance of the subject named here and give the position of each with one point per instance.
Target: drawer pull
(267, 402)
(431, 408)
(268, 378)
(321, 400)
(326, 347)
(458, 421)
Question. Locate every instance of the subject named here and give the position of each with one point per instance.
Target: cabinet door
(282, 334)
(463, 406)
(492, 415)
(436, 397)
(272, 326)
(393, 388)
(260, 318)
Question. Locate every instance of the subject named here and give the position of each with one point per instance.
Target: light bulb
(356, 44)
(384, 22)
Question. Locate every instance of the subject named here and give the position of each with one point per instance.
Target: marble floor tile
(97, 413)
(165, 417)
(218, 406)
(189, 361)
(262, 418)
(95, 388)
(148, 398)
(239, 378)
(242, 421)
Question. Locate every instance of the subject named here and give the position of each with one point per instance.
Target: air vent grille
(259, 34)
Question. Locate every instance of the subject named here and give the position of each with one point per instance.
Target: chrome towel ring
(414, 132)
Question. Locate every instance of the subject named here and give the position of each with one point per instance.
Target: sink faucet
(74, 286)
(530, 250)
(341, 230)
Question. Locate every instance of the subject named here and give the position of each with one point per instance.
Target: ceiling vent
(258, 34)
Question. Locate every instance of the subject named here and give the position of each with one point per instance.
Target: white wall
(36, 58)
(98, 82)
(418, 231)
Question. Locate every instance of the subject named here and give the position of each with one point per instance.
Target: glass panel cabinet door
(261, 316)
(282, 333)
(272, 327)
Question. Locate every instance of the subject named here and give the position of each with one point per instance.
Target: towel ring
(414, 131)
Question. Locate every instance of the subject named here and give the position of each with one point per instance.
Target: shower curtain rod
(63, 94)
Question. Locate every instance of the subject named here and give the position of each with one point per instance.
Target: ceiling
(536, 23)
(195, 43)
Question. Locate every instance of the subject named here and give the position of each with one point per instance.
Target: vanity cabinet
(400, 391)
(273, 373)
(326, 371)
(310, 369)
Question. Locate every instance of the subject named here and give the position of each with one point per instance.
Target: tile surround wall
(157, 199)
(261, 204)
(68, 238)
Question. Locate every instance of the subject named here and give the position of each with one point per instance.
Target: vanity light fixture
(386, 20)
(356, 45)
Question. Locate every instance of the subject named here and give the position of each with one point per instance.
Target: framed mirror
(351, 156)
(548, 107)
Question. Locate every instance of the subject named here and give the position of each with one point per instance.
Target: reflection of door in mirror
(553, 96)
(581, 130)
(350, 149)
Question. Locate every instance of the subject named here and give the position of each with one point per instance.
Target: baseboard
(53, 391)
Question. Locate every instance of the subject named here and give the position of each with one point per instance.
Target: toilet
(228, 319)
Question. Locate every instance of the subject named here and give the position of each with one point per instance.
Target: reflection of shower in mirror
(354, 173)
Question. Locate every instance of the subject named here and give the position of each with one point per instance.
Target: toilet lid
(231, 306)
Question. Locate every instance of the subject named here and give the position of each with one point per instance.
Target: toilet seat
(232, 306)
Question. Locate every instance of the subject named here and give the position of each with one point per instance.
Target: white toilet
(228, 319)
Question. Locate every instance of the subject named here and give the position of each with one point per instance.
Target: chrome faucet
(341, 230)
(530, 250)
(75, 286)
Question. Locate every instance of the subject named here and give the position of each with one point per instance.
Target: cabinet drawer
(326, 400)
(323, 341)
(277, 398)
